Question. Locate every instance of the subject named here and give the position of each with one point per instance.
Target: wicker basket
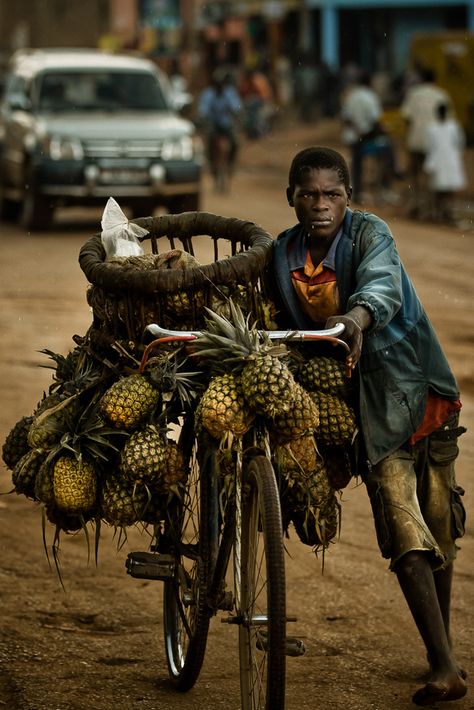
(125, 299)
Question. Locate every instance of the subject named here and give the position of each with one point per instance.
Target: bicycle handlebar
(334, 332)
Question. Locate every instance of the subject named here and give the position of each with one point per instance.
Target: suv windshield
(98, 91)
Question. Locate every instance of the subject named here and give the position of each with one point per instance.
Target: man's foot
(450, 687)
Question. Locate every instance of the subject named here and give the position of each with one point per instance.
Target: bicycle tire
(186, 614)
(261, 592)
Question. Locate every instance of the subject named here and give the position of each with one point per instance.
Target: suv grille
(123, 148)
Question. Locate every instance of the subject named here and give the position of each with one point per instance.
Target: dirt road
(98, 645)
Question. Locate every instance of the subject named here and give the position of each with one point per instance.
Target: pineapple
(297, 459)
(222, 409)
(175, 473)
(266, 381)
(302, 417)
(144, 456)
(339, 464)
(26, 471)
(44, 490)
(337, 422)
(16, 443)
(74, 485)
(314, 508)
(51, 422)
(122, 503)
(181, 303)
(323, 373)
(63, 521)
(129, 401)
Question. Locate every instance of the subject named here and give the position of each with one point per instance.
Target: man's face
(320, 200)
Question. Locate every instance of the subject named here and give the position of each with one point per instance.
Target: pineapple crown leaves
(227, 342)
(89, 436)
(75, 371)
(167, 373)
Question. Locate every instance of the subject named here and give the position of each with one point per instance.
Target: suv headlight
(178, 148)
(62, 148)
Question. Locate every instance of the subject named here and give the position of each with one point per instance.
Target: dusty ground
(99, 644)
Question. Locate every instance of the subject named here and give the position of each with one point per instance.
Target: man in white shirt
(419, 110)
(360, 112)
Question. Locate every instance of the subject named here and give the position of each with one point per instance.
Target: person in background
(445, 143)
(361, 112)
(218, 111)
(257, 97)
(418, 110)
(342, 266)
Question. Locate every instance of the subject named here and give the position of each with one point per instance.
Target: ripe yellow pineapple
(129, 401)
(74, 485)
(222, 409)
(266, 380)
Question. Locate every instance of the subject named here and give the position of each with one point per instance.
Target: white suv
(79, 126)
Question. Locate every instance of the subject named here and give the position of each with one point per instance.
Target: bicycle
(209, 534)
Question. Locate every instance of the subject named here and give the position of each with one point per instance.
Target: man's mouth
(321, 222)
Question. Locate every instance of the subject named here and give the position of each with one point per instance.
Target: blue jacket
(401, 355)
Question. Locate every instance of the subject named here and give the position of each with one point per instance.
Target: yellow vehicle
(451, 56)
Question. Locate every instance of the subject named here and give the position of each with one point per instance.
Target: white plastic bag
(119, 236)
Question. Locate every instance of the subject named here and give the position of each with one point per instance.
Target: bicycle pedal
(293, 646)
(150, 565)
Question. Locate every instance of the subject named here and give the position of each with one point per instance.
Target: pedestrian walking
(418, 109)
(444, 163)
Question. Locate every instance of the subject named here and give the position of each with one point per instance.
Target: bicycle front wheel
(186, 614)
(261, 591)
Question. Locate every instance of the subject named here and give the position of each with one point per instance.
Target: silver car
(79, 126)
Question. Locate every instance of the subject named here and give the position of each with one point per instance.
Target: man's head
(318, 158)
(319, 190)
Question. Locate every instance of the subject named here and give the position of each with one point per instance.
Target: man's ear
(349, 194)
(289, 196)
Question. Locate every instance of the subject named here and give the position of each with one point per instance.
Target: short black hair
(318, 158)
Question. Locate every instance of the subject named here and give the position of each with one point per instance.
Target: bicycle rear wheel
(261, 591)
(186, 615)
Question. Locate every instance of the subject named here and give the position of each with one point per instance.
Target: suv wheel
(184, 203)
(9, 210)
(37, 211)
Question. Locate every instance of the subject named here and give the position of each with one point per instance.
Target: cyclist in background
(219, 107)
(337, 265)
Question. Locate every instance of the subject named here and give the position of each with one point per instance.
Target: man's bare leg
(417, 582)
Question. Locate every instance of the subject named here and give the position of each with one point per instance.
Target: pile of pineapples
(97, 446)
(303, 404)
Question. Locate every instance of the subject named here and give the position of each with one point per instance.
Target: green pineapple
(25, 472)
(44, 489)
(144, 456)
(129, 401)
(323, 373)
(314, 508)
(52, 422)
(337, 422)
(16, 443)
(302, 417)
(122, 503)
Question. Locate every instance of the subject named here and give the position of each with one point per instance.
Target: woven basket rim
(242, 267)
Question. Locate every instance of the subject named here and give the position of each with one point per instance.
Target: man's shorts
(416, 502)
